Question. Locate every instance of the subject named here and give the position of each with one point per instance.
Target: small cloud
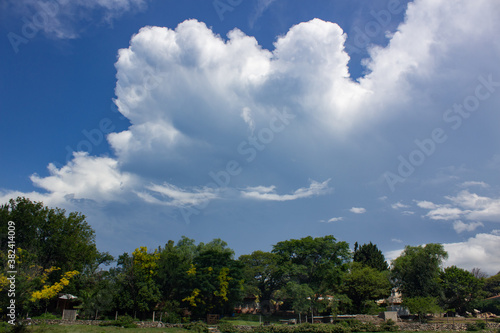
(408, 212)
(399, 205)
(357, 210)
(384, 198)
(261, 7)
(474, 183)
(246, 114)
(268, 192)
(333, 219)
(395, 240)
(426, 205)
(460, 226)
(176, 196)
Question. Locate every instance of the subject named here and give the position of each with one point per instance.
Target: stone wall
(416, 327)
(412, 327)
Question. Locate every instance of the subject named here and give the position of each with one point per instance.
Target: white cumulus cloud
(357, 210)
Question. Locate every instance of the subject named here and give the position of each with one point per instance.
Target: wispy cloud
(260, 8)
(460, 226)
(474, 183)
(399, 205)
(333, 219)
(269, 192)
(178, 197)
(63, 18)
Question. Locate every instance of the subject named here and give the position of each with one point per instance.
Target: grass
(99, 329)
(239, 322)
(251, 320)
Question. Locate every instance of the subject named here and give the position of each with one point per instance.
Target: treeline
(56, 253)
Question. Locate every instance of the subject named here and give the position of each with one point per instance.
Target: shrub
(48, 316)
(227, 328)
(124, 321)
(389, 326)
(172, 318)
(481, 324)
(197, 326)
(477, 326)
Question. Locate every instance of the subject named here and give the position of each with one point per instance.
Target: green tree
(135, 280)
(261, 274)
(49, 244)
(369, 255)
(460, 288)
(416, 271)
(214, 280)
(422, 306)
(318, 262)
(492, 285)
(49, 235)
(303, 299)
(363, 285)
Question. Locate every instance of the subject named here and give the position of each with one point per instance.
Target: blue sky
(258, 121)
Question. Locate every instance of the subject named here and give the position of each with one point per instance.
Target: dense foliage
(55, 253)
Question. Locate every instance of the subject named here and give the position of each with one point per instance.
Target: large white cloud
(84, 177)
(480, 251)
(198, 102)
(464, 204)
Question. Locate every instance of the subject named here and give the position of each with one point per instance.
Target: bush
(227, 328)
(172, 318)
(19, 327)
(303, 328)
(124, 321)
(481, 324)
(389, 326)
(197, 326)
(477, 326)
(48, 316)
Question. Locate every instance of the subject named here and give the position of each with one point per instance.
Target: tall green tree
(49, 245)
(369, 255)
(138, 291)
(51, 236)
(460, 288)
(261, 273)
(318, 262)
(416, 271)
(364, 284)
(214, 280)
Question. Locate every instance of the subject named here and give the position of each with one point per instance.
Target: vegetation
(416, 271)
(184, 281)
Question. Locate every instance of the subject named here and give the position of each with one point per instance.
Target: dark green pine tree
(369, 255)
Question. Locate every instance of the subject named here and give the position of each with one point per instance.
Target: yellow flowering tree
(138, 286)
(213, 281)
(50, 291)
